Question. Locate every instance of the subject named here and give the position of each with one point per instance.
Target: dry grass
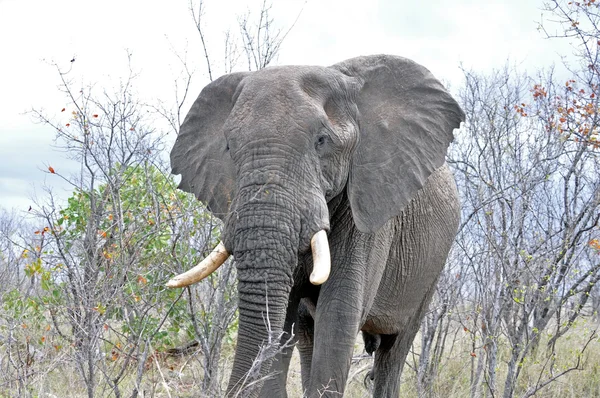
(169, 376)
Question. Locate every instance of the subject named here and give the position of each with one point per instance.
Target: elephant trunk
(279, 206)
(266, 245)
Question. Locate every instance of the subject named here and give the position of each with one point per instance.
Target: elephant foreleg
(389, 361)
(335, 329)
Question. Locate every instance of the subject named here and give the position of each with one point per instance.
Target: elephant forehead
(278, 106)
(296, 83)
(294, 72)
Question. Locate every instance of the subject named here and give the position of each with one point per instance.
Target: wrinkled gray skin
(356, 149)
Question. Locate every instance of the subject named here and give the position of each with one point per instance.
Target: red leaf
(51, 170)
(95, 115)
(68, 124)
(63, 109)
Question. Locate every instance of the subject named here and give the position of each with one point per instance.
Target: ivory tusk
(321, 258)
(206, 267)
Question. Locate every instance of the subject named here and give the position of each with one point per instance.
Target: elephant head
(268, 150)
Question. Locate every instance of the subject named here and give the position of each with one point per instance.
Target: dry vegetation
(84, 311)
(181, 375)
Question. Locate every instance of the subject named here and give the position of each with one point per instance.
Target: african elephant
(348, 160)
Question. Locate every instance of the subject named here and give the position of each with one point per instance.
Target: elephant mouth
(321, 263)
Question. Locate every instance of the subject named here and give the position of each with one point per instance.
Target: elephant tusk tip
(173, 283)
(206, 267)
(318, 279)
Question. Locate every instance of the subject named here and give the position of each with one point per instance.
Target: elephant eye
(320, 142)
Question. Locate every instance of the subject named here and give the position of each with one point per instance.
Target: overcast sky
(439, 34)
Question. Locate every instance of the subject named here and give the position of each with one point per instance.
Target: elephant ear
(200, 153)
(406, 120)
